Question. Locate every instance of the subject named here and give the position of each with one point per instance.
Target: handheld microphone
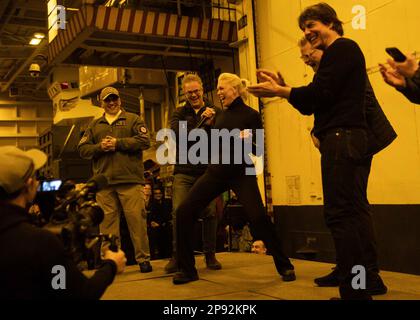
(202, 121)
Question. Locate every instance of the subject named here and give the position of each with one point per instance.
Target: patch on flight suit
(121, 123)
(143, 130)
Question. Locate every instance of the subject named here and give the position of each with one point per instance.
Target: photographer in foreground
(33, 261)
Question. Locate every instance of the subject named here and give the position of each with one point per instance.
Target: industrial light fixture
(35, 41)
(39, 35)
(37, 38)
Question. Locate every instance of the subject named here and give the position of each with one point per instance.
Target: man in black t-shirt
(336, 97)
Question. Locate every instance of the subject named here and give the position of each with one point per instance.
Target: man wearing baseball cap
(17, 170)
(115, 144)
(30, 254)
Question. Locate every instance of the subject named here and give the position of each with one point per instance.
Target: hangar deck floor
(245, 276)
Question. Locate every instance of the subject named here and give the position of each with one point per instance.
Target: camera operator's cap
(106, 92)
(18, 166)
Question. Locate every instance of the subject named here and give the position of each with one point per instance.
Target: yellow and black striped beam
(145, 23)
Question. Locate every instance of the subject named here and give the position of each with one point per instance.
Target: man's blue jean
(180, 189)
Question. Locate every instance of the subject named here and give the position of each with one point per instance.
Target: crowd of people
(349, 129)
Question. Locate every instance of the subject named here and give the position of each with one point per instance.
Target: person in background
(147, 196)
(160, 226)
(258, 247)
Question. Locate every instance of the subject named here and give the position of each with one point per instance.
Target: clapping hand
(277, 77)
(392, 77)
(407, 68)
(108, 144)
(270, 85)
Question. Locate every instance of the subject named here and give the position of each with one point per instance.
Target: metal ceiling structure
(19, 20)
(160, 34)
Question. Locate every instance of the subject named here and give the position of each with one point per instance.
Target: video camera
(77, 216)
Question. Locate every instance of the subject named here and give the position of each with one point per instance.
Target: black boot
(288, 275)
(145, 267)
(330, 280)
(374, 284)
(171, 266)
(211, 261)
(348, 293)
(183, 277)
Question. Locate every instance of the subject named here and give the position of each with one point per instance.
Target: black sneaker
(375, 285)
(348, 293)
(182, 277)
(330, 280)
(288, 275)
(211, 261)
(145, 267)
(364, 297)
(171, 266)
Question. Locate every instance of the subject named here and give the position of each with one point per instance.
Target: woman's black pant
(205, 190)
